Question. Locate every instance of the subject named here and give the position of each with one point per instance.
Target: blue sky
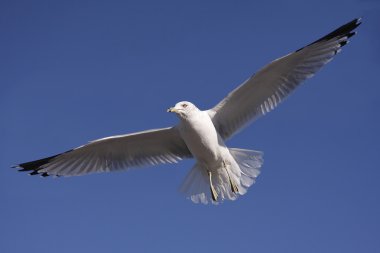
(75, 71)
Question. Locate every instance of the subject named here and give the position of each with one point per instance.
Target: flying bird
(220, 173)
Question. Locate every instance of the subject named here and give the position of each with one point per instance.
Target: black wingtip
(44, 174)
(345, 31)
(343, 43)
(349, 35)
(35, 167)
(34, 173)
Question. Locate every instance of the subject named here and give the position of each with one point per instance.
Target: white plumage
(219, 172)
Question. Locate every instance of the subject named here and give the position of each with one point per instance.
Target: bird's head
(183, 109)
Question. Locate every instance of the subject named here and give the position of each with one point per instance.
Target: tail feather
(249, 162)
(196, 184)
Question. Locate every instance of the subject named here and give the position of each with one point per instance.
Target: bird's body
(219, 172)
(212, 156)
(202, 139)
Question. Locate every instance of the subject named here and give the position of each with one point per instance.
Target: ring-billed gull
(219, 172)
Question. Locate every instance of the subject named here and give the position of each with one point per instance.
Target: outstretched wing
(265, 90)
(114, 153)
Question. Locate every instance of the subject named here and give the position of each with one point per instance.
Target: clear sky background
(75, 71)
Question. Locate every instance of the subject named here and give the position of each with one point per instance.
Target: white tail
(196, 185)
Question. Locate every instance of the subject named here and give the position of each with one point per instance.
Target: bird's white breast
(201, 138)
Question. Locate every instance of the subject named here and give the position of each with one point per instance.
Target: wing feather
(114, 153)
(272, 84)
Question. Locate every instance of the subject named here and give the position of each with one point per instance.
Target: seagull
(220, 173)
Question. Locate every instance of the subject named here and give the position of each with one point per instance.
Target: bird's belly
(204, 143)
(204, 149)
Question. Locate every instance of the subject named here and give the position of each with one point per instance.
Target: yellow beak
(172, 109)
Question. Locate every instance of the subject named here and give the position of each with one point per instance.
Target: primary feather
(272, 84)
(114, 153)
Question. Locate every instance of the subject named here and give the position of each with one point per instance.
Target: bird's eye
(184, 105)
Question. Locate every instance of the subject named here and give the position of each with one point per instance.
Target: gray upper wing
(266, 89)
(114, 153)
